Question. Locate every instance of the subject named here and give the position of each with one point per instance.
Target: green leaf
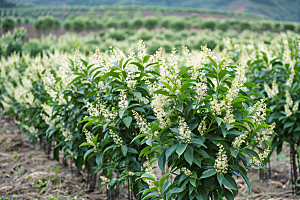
(228, 194)
(94, 140)
(138, 95)
(121, 113)
(179, 107)
(188, 155)
(85, 144)
(124, 150)
(249, 84)
(288, 124)
(57, 170)
(181, 149)
(127, 121)
(198, 141)
(234, 151)
(202, 194)
(183, 70)
(222, 73)
(208, 173)
(218, 120)
(88, 153)
(220, 178)
(229, 182)
(146, 176)
(193, 181)
(213, 62)
(99, 158)
(146, 58)
(139, 136)
(197, 160)
(161, 162)
(244, 175)
(167, 85)
(163, 178)
(171, 150)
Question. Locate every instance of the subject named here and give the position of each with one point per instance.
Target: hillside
(287, 10)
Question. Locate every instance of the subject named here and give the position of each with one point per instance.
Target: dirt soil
(22, 166)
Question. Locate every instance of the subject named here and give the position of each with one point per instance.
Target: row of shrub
(123, 38)
(116, 115)
(29, 11)
(89, 22)
(194, 113)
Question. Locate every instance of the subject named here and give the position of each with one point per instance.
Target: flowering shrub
(206, 130)
(117, 115)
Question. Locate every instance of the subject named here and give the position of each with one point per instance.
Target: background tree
(8, 24)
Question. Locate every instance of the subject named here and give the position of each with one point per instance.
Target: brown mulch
(22, 166)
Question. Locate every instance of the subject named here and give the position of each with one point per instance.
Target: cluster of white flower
(131, 173)
(89, 136)
(67, 134)
(271, 92)
(77, 60)
(149, 170)
(259, 116)
(92, 110)
(263, 155)
(152, 87)
(187, 171)
(217, 107)
(289, 100)
(117, 54)
(70, 153)
(255, 161)
(155, 58)
(201, 87)
(265, 134)
(103, 178)
(229, 117)
(123, 103)
(144, 100)
(289, 81)
(184, 131)
(117, 139)
(202, 127)
(130, 82)
(238, 141)
(221, 163)
(237, 83)
(158, 103)
(295, 107)
(142, 52)
(286, 57)
(101, 85)
(142, 123)
(30, 129)
(287, 110)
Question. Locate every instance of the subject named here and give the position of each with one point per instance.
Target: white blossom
(295, 107)
(117, 139)
(287, 110)
(238, 141)
(184, 132)
(221, 164)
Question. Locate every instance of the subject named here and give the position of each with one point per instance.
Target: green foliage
(150, 22)
(78, 25)
(12, 42)
(8, 24)
(178, 24)
(137, 23)
(209, 24)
